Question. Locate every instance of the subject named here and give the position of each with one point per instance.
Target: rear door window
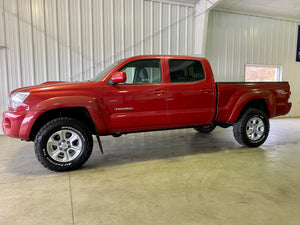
(185, 71)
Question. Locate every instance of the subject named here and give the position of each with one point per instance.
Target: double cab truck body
(139, 94)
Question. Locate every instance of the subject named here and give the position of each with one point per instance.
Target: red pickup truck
(137, 94)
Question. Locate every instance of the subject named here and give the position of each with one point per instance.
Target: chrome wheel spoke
(260, 124)
(64, 145)
(53, 145)
(76, 145)
(54, 139)
(67, 156)
(63, 134)
(255, 128)
(58, 155)
(58, 134)
(251, 135)
(73, 138)
(72, 153)
(259, 133)
(55, 154)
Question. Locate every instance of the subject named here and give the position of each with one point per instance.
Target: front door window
(146, 71)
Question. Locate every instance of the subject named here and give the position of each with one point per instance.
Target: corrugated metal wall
(234, 40)
(75, 39)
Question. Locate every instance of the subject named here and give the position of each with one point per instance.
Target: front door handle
(158, 92)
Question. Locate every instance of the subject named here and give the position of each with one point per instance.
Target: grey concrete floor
(165, 177)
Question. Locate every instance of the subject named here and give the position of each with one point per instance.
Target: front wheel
(63, 144)
(252, 128)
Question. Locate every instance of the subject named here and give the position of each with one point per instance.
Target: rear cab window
(185, 71)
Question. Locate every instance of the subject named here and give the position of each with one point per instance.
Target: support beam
(200, 22)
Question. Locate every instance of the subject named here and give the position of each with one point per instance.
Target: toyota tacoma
(138, 94)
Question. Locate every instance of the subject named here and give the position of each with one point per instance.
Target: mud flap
(98, 139)
(100, 144)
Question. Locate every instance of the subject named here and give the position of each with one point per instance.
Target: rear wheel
(205, 128)
(63, 144)
(252, 128)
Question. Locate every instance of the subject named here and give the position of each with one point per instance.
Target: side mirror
(119, 77)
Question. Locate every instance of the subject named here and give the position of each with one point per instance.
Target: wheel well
(260, 104)
(73, 112)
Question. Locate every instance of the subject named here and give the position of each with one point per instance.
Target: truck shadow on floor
(136, 148)
(159, 145)
(144, 147)
(132, 148)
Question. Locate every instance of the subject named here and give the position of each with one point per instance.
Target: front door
(140, 102)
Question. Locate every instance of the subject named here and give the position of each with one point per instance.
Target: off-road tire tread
(239, 128)
(64, 121)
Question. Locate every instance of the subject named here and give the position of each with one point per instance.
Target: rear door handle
(206, 91)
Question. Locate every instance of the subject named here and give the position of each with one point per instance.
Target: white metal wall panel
(75, 39)
(129, 31)
(156, 26)
(26, 53)
(235, 39)
(51, 42)
(190, 31)
(147, 27)
(97, 35)
(4, 91)
(14, 72)
(87, 39)
(118, 24)
(62, 10)
(165, 25)
(38, 40)
(137, 28)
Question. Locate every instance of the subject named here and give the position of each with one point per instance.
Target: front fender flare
(87, 102)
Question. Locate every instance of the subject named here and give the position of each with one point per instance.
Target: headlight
(17, 99)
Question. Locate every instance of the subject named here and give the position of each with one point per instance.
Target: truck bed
(231, 96)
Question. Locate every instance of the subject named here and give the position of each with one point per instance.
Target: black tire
(252, 128)
(63, 144)
(205, 128)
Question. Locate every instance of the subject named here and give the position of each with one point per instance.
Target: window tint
(146, 71)
(183, 71)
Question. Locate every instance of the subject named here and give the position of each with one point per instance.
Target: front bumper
(18, 124)
(12, 121)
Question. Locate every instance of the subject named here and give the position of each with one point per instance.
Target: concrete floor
(167, 177)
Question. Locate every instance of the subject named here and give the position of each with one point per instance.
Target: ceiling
(185, 1)
(276, 8)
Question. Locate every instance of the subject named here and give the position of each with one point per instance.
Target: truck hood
(49, 85)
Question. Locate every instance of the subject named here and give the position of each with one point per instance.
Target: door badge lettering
(125, 108)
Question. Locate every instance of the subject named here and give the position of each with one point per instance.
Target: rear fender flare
(250, 96)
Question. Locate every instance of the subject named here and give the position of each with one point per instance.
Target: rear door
(140, 102)
(190, 96)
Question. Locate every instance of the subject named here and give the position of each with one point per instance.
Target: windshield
(105, 71)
